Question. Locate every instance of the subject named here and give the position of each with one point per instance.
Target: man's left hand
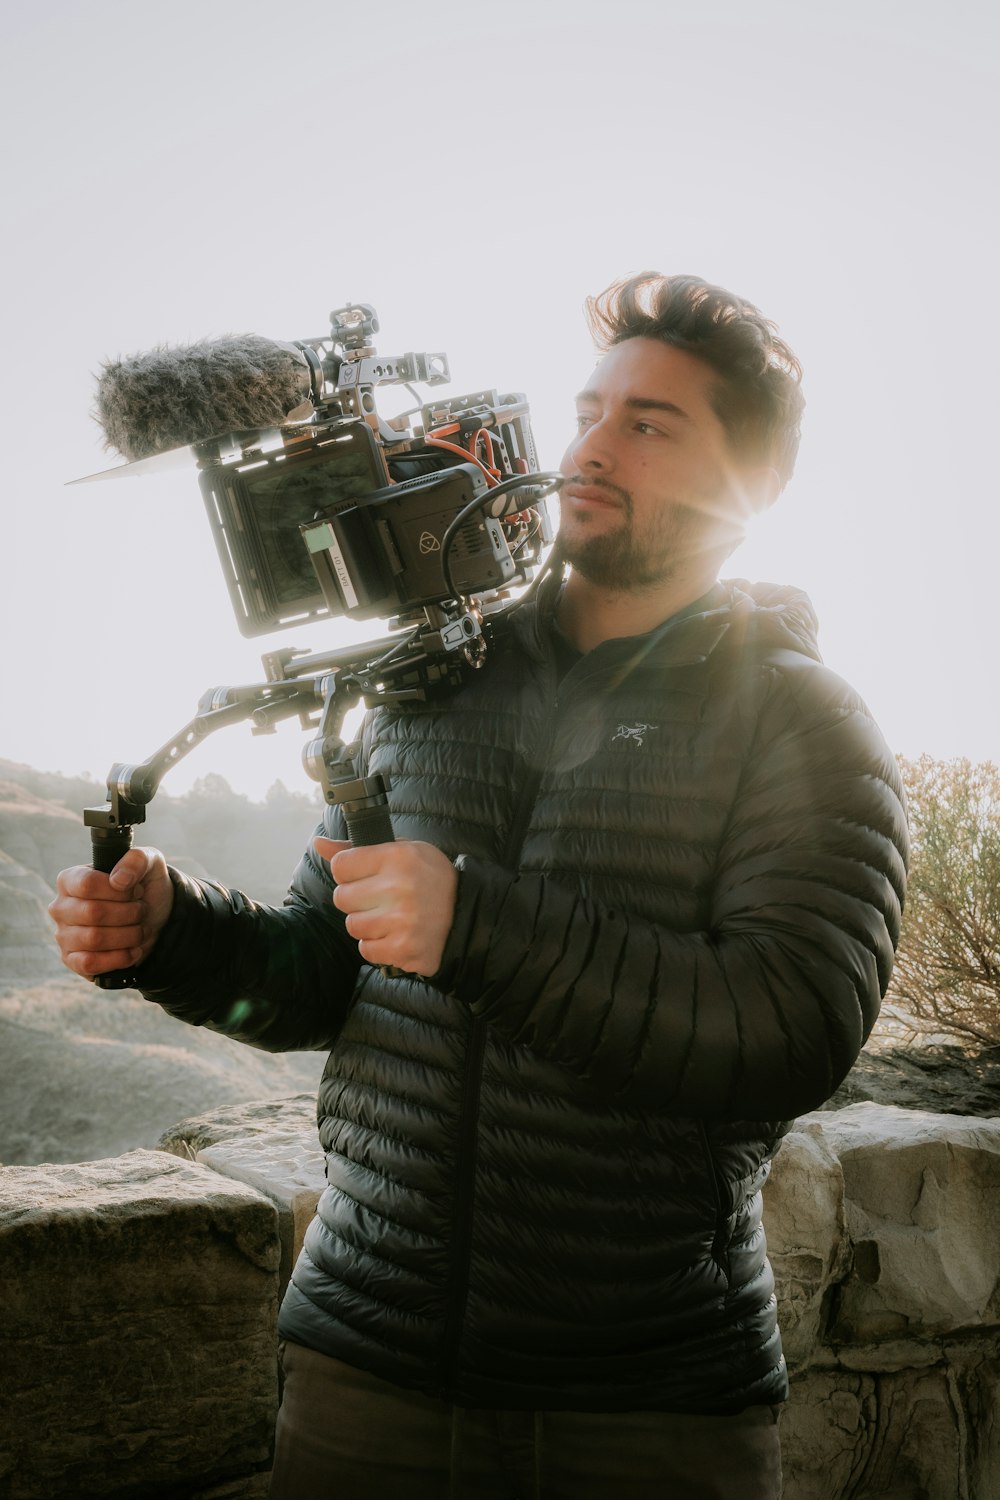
(399, 899)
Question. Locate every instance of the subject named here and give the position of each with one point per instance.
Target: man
(651, 860)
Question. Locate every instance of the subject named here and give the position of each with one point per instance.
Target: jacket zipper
(461, 1244)
(720, 1243)
(468, 1132)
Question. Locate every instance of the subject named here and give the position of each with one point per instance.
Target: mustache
(595, 481)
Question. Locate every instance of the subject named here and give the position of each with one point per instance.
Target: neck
(590, 613)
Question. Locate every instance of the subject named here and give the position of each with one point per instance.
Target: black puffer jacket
(681, 871)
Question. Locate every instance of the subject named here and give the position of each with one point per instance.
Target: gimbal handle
(130, 788)
(297, 683)
(108, 846)
(365, 805)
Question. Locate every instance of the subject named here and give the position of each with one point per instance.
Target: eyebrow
(641, 403)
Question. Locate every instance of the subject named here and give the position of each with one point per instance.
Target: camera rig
(426, 518)
(345, 513)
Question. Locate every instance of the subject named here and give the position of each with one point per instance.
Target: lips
(598, 495)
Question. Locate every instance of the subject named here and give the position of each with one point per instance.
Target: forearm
(279, 978)
(759, 1017)
(757, 1007)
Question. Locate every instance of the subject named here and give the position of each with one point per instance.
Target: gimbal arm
(432, 656)
(131, 787)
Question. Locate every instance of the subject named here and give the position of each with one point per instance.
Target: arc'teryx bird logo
(429, 542)
(637, 732)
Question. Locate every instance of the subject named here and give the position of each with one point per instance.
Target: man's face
(653, 488)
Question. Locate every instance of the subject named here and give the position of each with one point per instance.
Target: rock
(824, 1431)
(272, 1146)
(138, 1308)
(883, 1228)
(922, 1198)
(943, 1077)
(240, 1122)
(888, 1437)
(806, 1236)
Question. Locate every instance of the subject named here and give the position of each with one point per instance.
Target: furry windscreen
(181, 394)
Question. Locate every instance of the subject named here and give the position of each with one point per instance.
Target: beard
(680, 538)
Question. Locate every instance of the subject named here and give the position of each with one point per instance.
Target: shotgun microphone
(177, 395)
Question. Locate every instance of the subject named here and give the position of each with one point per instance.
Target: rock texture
(137, 1310)
(884, 1231)
(138, 1299)
(943, 1077)
(883, 1227)
(274, 1147)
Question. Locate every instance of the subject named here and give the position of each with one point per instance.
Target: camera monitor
(257, 506)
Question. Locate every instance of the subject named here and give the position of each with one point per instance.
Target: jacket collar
(771, 614)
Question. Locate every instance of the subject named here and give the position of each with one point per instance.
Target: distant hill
(213, 830)
(85, 1073)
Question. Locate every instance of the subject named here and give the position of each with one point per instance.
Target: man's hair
(758, 398)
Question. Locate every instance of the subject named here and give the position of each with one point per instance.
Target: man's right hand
(105, 922)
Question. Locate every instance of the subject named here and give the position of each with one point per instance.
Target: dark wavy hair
(758, 397)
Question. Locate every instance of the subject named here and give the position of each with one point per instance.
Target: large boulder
(806, 1237)
(883, 1227)
(922, 1198)
(138, 1307)
(273, 1146)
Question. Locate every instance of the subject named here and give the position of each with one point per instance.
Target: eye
(647, 428)
(582, 420)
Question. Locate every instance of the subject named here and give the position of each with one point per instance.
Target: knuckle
(86, 964)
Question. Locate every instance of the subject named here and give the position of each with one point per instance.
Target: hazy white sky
(213, 166)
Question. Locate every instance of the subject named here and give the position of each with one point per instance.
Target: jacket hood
(778, 614)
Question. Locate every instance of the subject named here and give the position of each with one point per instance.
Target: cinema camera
(346, 513)
(426, 519)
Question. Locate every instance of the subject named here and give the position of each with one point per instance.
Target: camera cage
(340, 512)
(344, 513)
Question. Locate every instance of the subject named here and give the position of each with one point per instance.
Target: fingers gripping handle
(365, 805)
(109, 844)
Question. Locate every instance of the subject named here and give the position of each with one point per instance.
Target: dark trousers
(345, 1435)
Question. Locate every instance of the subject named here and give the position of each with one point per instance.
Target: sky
(475, 172)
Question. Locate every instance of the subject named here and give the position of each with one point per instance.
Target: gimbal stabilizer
(435, 655)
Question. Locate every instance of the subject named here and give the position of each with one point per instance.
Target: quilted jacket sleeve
(279, 978)
(761, 1014)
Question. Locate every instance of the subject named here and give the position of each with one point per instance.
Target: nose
(590, 451)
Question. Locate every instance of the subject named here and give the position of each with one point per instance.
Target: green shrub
(947, 975)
